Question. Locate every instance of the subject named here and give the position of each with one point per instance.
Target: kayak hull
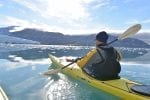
(119, 87)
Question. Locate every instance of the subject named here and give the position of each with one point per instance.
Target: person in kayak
(103, 62)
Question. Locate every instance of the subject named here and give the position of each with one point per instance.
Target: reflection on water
(21, 67)
(65, 88)
(60, 90)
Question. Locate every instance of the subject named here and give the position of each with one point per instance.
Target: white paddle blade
(130, 31)
(51, 72)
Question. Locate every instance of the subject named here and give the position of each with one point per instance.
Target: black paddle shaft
(68, 65)
(112, 41)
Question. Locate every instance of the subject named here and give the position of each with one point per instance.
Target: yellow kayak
(119, 87)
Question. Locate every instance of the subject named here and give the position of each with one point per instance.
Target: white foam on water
(19, 62)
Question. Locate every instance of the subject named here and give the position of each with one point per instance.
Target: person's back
(103, 62)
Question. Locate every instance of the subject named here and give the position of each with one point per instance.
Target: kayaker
(103, 62)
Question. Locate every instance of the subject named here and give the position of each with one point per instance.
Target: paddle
(129, 32)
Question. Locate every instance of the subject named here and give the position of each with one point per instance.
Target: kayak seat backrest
(141, 89)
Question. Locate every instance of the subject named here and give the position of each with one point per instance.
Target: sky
(76, 16)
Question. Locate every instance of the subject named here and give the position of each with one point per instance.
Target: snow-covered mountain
(57, 38)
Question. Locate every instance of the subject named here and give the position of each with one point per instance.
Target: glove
(70, 60)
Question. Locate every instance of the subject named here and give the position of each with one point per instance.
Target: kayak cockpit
(141, 89)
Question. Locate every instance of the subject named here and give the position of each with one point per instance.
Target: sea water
(22, 65)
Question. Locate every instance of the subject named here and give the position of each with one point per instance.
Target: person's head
(101, 38)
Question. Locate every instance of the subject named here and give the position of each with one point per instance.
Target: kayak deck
(119, 87)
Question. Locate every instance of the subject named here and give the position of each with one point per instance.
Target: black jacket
(107, 67)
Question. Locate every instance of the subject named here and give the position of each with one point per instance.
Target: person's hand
(72, 60)
(69, 60)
